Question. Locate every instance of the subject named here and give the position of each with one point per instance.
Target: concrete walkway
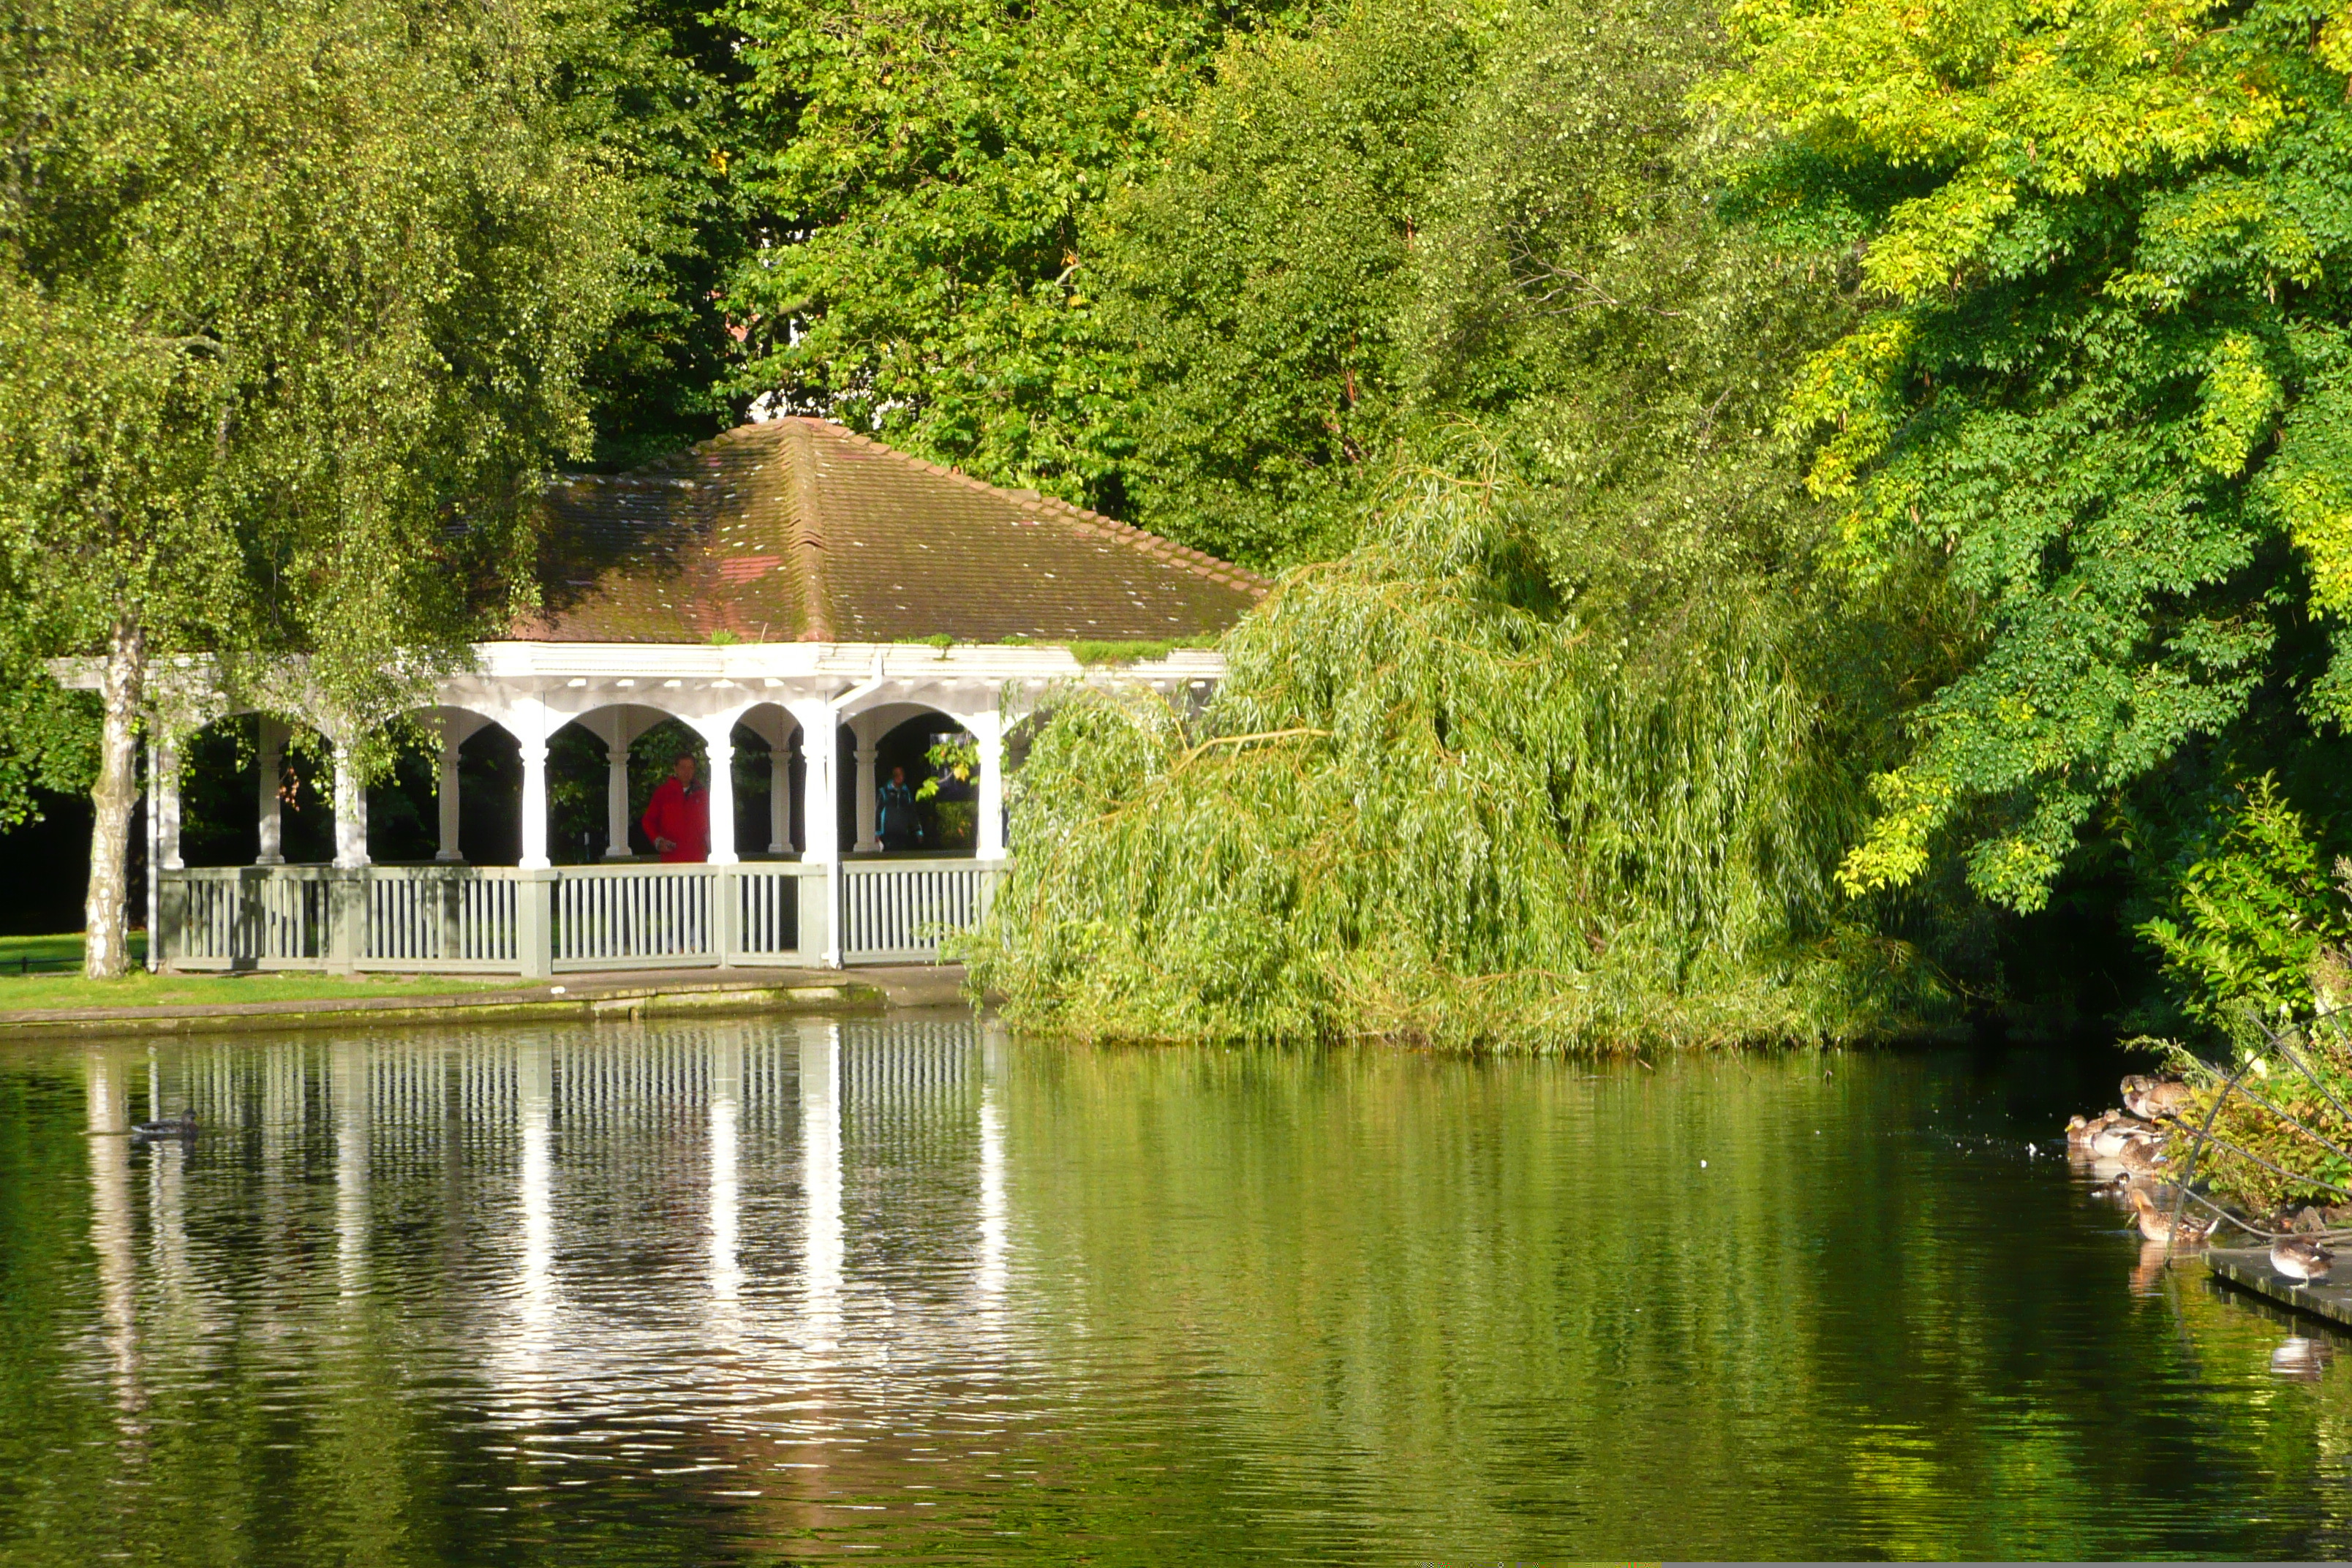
(569, 998)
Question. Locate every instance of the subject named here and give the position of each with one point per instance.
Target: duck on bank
(2301, 1259)
(2131, 1150)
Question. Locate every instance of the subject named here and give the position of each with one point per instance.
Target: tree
(650, 86)
(2103, 390)
(1566, 749)
(1259, 272)
(296, 301)
(927, 167)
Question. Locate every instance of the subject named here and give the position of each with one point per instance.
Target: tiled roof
(799, 530)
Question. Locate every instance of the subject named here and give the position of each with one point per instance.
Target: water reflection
(910, 1287)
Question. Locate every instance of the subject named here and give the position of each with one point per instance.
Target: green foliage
(49, 741)
(1433, 802)
(1561, 757)
(1260, 272)
(1094, 650)
(2279, 1135)
(956, 759)
(2101, 386)
(237, 412)
(927, 165)
(650, 85)
(1578, 293)
(2249, 921)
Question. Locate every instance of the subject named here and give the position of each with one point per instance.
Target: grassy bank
(44, 972)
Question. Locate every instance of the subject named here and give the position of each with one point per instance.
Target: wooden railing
(636, 917)
(501, 920)
(896, 911)
(451, 918)
(249, 917)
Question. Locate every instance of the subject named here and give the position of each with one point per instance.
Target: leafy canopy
(926, 166)
(2105, 384)
(1260, 276)
(1431, 802)
(288, 294)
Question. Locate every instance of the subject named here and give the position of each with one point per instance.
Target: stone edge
(828, 998)
(2261, 1282)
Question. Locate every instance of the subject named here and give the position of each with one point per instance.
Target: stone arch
(450, 801)
(598, 746)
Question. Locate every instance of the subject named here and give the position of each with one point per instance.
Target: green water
(765, 1292)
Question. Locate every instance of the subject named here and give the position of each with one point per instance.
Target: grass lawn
(62, 986)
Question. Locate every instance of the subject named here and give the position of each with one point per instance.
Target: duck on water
(2132, 1139)
(185, 1127)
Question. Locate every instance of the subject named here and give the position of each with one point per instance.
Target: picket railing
(501, 920)
(249, 917)
(896, 911)
(452, 918)
(636, 917)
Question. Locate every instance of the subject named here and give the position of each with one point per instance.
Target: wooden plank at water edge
(2250, 1269)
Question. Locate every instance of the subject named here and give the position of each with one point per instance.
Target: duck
(2081, 1129)
(2153, 1221)
(2300, 1259)
(185, 1127)
(2142, 1156)
(2153, 1099)
(2108, 1143)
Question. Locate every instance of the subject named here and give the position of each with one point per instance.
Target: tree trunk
(106, 942)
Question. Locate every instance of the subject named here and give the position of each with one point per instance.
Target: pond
(910, 1289)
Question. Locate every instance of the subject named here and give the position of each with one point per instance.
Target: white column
(820, 804)
(350, 810)
(821, 812)
(447, 792)
(616, 796)
(867, 841)
(779, 798)
(270, 777)
(534, 807)
(165, 764)
(154, 877)
(722, 803)
(988, 729)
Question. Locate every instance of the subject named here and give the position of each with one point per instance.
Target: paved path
(568, 997)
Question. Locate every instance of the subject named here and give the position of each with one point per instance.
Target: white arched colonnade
(791, 695)
(834, 903)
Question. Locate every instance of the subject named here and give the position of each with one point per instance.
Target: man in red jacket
(677, 818)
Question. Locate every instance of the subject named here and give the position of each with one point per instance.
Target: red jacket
(681, 815)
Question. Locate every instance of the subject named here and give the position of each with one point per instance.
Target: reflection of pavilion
(599, 1221)
(771, 592)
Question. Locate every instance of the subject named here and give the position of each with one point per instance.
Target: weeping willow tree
(1560, 754)
(1435, 802)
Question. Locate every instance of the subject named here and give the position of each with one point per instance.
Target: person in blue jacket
(894, 822)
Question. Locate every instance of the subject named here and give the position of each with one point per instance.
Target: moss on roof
(797, 529)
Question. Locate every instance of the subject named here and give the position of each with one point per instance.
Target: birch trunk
(106, 942)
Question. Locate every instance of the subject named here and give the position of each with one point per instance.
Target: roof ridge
(1198, 562)
(808, 538)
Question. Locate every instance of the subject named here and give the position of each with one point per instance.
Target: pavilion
(789, 580)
